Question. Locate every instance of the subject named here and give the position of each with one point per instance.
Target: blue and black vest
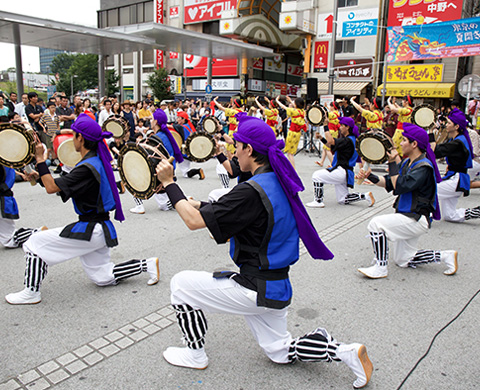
(463, 177)
(412, 202)
(351, 163)
(82, 230)
(8, 202)
(166, 142)
(280, 246)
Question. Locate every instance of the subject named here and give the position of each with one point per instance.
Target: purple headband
(416, 133)
(347, 121)
(91, 131)
(161, 118)
(261, 137)
(458, 117)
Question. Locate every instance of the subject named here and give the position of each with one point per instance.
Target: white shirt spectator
(103, 116)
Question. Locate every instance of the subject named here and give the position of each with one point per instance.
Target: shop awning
(424, 90)
(343, 88)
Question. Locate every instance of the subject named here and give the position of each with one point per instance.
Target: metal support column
(101, 76)
(331, 56)
(209, 68)
(18, 60)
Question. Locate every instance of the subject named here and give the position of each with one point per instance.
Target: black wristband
(431, 137)
(323, 140)
(43, 169)
(175, 193)
(393, 168)
(221, 158)
(373, 178)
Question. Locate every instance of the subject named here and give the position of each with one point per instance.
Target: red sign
(411, 12)
(196, 11)
(174, 12)
(159, 11)
(173, 55)
(295, 70)
(219, 67)
(257, 63)
(159, 58)
(320, 57)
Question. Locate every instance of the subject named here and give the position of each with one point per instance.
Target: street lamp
(71, 86)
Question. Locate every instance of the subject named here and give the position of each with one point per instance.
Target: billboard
(415, 73)
(410, 12)
(320, 57)
(456, 38)
(359, 68)
(196, 66)
(197, 11)
(356, 23)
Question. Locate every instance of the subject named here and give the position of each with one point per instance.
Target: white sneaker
(450, 259)
(153, 270)
(186, 357)
(375, 271)
(315, 204)
(24, 297)
(140, 209)
(355, 356)
(370, 199)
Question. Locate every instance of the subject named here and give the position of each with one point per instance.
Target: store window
(345, 46)
(347, 3)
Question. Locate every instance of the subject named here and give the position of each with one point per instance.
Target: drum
(178, 138)
(137, 163)
(200, 147)
(316, 115)
(65, 150)
(116, 125)
(424, 116)
(211, 125)
(17, 145)
(373, 146)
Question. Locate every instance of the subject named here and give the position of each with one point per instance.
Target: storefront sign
(276, 67)
(295, 70)
(275, 89)
(420, 73)
(196, 11)
(354, 69)
(256, 85)
(198, 66)
(320, 57)
(159, 63)
(174, 12)
(217, 84)
(435, 90)
(257, 63)
(409, 12)
(358, 23)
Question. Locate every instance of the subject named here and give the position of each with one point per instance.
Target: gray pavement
(85, 337)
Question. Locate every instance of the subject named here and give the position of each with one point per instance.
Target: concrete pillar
(18, 60)
(101, 76)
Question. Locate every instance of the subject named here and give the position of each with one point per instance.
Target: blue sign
(51, 89)
(208, 89)
(360, 28)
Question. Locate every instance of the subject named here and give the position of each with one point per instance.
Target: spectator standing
(65, 113)
(20, 107)
(106, 112)
(51, 124)
(127, 114)
(12, 102)
(34, 113)
(4, 110)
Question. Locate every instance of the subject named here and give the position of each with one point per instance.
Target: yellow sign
(424, 90)
(432, 73)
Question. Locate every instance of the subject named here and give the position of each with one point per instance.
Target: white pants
(203, 292)
(338, 177)
(216, 194)
(220, 169)
(448, 198)
(162, 200)
(472, 172)
(403, 232)
(7, 229)
(184, 167)
(94, 254)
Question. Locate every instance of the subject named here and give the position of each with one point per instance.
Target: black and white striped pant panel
(22, 235)
(424, 257)
(314, 347)
(169, 205)
(354, 197)
(224, 179)
(129, 268)
(380, 247)
(193, 325)
(35, 271)
(318, 191)
(138, 202)
(472, 213)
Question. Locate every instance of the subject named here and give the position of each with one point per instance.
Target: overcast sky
(82, 12)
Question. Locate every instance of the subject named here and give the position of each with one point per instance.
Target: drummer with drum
(341, 173)
(404, 114)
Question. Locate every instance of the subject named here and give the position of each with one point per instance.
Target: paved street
(86, 337)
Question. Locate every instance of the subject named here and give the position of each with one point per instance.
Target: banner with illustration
(456, 38)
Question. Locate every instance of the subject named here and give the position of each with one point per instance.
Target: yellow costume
(333, 125)
(404, 115)
(374, 119)
(294, 133)
(232, 128)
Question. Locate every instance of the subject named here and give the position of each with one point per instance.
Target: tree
(61, 63)
(160, 84)
(83, 72)
(112, 82)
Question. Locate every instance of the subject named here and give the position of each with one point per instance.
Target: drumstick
(366, 167)
(29, 169)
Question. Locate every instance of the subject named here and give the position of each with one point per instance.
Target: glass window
(347, 3)
(149, 11)
(124, 16)
(140, 17)
(112, 17)
(102, 19)
(148, 57)
(345, 46)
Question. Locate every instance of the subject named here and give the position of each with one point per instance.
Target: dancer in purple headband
(414, 181)
(458, 153)
(264, 220)
(92, 188)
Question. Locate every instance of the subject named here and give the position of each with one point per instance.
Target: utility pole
(331, 57)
